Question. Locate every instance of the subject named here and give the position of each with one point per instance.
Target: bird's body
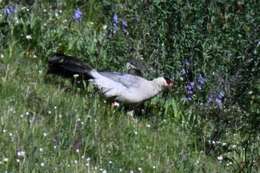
(122, 87)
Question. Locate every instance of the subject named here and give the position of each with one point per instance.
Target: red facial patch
(168, 81)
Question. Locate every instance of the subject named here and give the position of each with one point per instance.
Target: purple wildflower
(190, 87)
(115, 23)
(9, 10)
(200, 81)
(77, 15)
(189, 97)
(186, 62)
(183, 72)
(219, 99)
(124, 26)
(189, 90)
(210, 99)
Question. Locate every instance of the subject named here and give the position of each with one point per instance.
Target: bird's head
(164, 82)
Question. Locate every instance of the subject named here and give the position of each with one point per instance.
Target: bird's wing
(108, 86)
(127, 80)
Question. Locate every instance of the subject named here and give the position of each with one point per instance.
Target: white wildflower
(148, 125)
(28, 37)
(234, 146)
(229, 163)
(56, 14)
(104, 27)
(21, 153)
(220, 158)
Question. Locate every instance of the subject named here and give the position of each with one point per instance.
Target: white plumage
(121, 87)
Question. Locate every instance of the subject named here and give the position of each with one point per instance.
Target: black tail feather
(68, 66)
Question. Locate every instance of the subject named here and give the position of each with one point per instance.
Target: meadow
(208, 122)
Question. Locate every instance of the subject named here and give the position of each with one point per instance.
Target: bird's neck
(157, 87)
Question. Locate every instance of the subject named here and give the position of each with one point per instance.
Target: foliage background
(209, 125)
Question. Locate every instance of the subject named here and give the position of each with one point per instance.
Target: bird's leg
(115, 104)
(131, 116)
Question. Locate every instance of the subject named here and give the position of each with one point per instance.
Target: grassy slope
(50, 123)
(70, 130)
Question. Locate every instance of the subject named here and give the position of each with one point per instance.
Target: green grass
(49, 125)
(70, 130)
(71, 120)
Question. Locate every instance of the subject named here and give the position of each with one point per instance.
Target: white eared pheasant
(120, 87)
